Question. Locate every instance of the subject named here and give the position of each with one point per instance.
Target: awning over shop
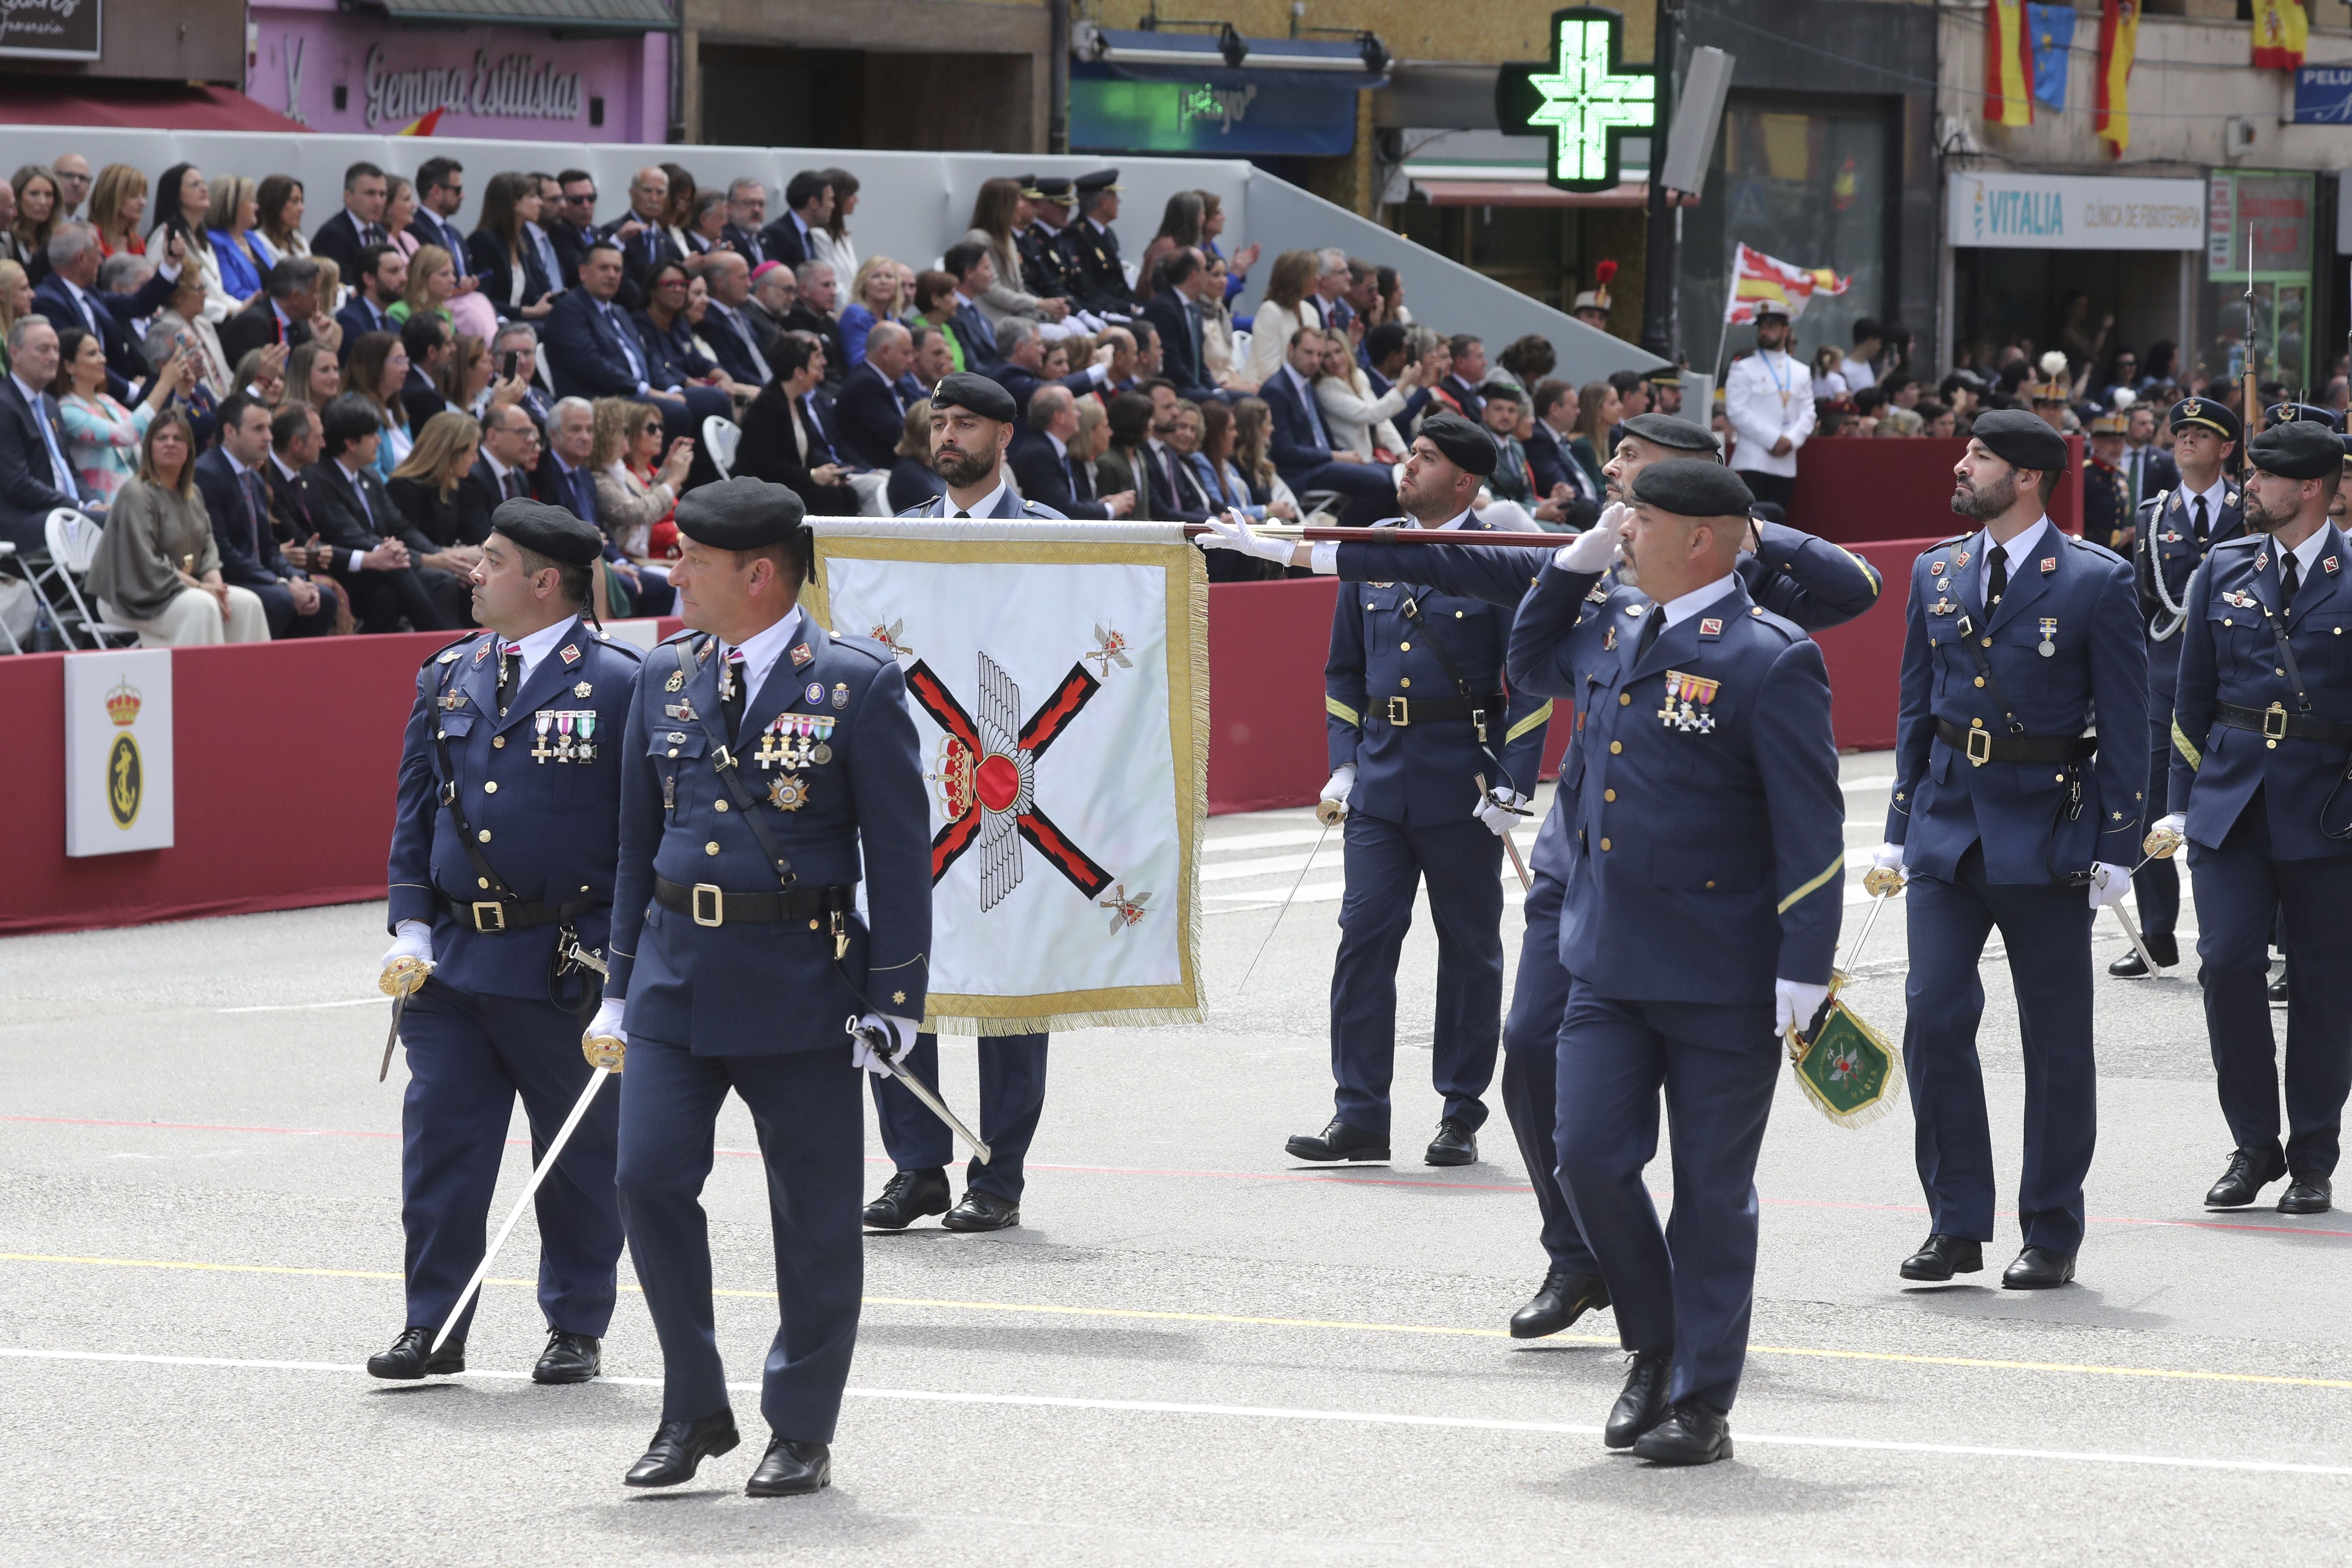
(1526, 193)
(139, 105)
(553, 15)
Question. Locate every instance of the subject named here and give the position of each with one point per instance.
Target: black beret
(976, 393)
(548, 531)
(1461, 443)
(2298, 450)
(2206, 411)
(739, 514)
(2024, 439)
(1665, 430)
(1692, 487)
(2280, 413)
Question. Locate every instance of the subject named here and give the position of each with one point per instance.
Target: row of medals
(574, 731)
(792, 742)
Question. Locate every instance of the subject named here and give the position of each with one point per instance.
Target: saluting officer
(1416, 718)
(2176, 528)
(502, 876)
(2263, 710)
(972, 426)
(1700, 918)
(1091, 247)
(769, 763)
(2004, 812)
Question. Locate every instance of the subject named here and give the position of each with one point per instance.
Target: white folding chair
(1240, 346)
(72, 539)
(873, 493)
(15, 592)
(720, 437)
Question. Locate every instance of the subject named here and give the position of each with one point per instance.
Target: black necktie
(1996, 577)
(513, 483)
(1651, 626)
(509, 673)
(256, 507)
(2197, 526)
(731, 695)
(2290, 579)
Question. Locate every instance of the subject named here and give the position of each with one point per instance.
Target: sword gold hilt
(604, 1051)
(404, 975)
(2162, 843)
(1329, 812)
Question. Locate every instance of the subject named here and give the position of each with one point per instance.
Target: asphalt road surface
(1191, 1352)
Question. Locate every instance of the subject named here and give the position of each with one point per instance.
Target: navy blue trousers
(1386, 861)
(2240, 889)
(1012, 1100)
(2156, 887)
(811, 1140)
(469, 1056)
(2046, 927)
(1691, 1284)
(1531, 1073)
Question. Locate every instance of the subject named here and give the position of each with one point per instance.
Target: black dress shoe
(1691, 1434)
(907, 1197)
(2165, 950)
(1642, 1405)
(1940, 1257)
(982, 1211)
(1339, 1142)
(790, 1469)
(679, 1447)
(2251, 1170)
(2038, 1269)
(569, 1358)
(412, 1357)
(2306, 1195)
(1564, 1297)
(1453, 1145)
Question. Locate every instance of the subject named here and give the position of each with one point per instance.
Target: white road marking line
(1283, 1413)
(307, 1006)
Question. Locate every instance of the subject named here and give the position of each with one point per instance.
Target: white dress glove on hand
(410, 938)
(1230, 532)
(2109, 883)
(1886, 873)
(2170, 822)
(1593, 549)
(899, 1036)
(608, 1021)
(1343, 779)
(1794, 1004)
(1497, 811)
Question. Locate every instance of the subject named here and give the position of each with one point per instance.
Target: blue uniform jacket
(1008, 505)
(1710, 828)
(768, 988)
(1381, 663)
(2230, 654)
(2167, 550)
(2034, 826)
(550, 823)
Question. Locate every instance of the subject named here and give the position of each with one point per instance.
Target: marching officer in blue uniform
(1701, 915)
(766, 764)
(501, 879)
(2006, 814)
(2176, 528)
(1433, 764)
(1808, 581)
(972, 422)
(2264, 711)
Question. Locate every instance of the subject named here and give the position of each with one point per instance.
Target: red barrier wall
(1860, 490)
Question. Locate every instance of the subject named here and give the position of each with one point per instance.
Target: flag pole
(1723, 337)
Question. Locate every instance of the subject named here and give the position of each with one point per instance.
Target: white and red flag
(1758, 278)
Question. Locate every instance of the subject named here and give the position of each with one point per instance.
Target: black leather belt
(1983, 746)
(2276, 723)
(711, 906)
(491, 915)
(1402, 711)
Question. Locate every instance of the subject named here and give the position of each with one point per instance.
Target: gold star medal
(787, 793)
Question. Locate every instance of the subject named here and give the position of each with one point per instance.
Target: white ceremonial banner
(1057, 675)
(117, 751)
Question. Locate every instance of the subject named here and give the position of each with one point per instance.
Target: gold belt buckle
(490, 916)
(1979, 755)
(1400, 711)
(718, 916)
(2275, 731)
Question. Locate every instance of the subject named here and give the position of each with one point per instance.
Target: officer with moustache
(2176, 528)
(1808, 581)
(501, 880)
(2007, 815)
(768, 766)
(972, 426)
(1700, 918)
(2263, 716)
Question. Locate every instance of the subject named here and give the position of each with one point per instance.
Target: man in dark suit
(1048, 471)
(1468, 374)
(35, 478)
(343, 236)
(1301, 448)
(1025, 351)
(440, 192)
(521, 339)
(1175, 313)
(775, 289)
(295, 443)
(974, 270)
(870, 414)
(429, 348)
(229, 477)
(747, 213)
(376, 289)
(570, 223)
(68, 296)
(2147, 468)
(510, 450)
(1176, 493)
(388, 568)
(281, 315)
(643, 243)
(594, 351)
(808, 206)
(562, 479)
(788, 432)
(820, 297)
(725, 326)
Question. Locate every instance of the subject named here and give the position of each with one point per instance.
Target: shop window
(2274, 212)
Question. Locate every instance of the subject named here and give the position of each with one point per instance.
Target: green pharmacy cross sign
(1585, 99)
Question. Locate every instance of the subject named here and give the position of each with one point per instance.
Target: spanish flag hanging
(2118, 46)
(2280, 31)
(2009, 64)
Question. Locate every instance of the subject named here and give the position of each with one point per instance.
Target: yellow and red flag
(2281, 29)
(2118, 46)
(1757, 279)
(421, 126)
(2009, 64)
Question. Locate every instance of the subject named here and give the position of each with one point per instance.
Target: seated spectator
(157, 569)
(180, 324)
(72, 171)
(831, 241)
(706, 229)
(873, 297)
(464, 378)
(933, 361)
(1360, 422)
(382, 275)
(999, 213)
(679, 194)
(808, 208)
(870, 413)
(102, 436)
(1633, 400)
(1180, 229)
(432, 283)
(1238, 266)
(1175, 312)
(229, 223)
(1569, 493)
(518, 342)
(183, 209)
(1466, 373)
(312, 375)
(70, 297)
(774, 292)
(1503, 406)
(1899, 422)
(747, 213)
(1021, 371)
(1828, 381)
(631, 495)
(1936, 420)
(284, 313)
(974, 270)
(566, 479)
(296, 440)
(1231, 482)
(1048, 466)
(1123, 465)
(34, 194)
(425, 487)
(501, 252)
(784, 438)
(1281, 314)
(1301, 444)
(662, 328)
(1527, 360)
(1596, 414)
(1217, 335)
(392, 573)
(935, 300)
(348, 232)
(913, 482)
(36, 477)
(429, 345)
(595, 350)
(262, 374)
(231, 477)
(510, 450)
(727, 325)
(16, 303)
(277, 205)
(820, 295)
(118, 201)
(399, 206)
(375, 371)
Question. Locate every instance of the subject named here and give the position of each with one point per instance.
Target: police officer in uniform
(768, 762)
(501, 875)
(2176, 528)
(2007, 815)
(2107, 516)
(1701, 915)
(1091, 246)
(1417, 719)
(2263, 707)
(972, 426)
(1045, 264)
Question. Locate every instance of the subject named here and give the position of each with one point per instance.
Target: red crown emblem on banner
(123, 703)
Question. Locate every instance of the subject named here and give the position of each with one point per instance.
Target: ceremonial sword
(396, 984)
(874, 1040)
(1327, 812)
(1526, 883)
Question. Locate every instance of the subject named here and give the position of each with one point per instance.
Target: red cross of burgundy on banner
(987, 777)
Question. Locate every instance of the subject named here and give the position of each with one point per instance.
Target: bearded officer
(2263, 710)
(768, 763)
(1700, 918)
(502, 859)
(2006, 814)
(2176, 528)
(1810, 581)
(972, 426)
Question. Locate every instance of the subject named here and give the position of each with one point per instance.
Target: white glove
(608, 1021)
(1343, 780)
(1886, 873)
(901, 1033)
(597, 1041)
(1794, 1003)
(2171, 822)
(1596, 548)
(1497, 811)
(410, 938)
(1231, 532)
(2109, 882)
